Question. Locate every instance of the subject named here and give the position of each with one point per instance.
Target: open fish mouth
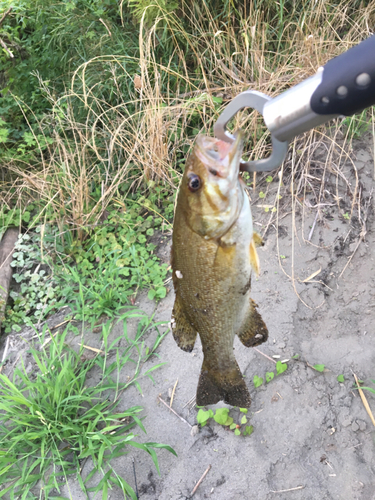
(221, 158)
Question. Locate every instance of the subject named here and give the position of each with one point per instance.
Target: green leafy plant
(222, 417)
(357, 125)
(280, 368)
(371, 389)
(340, 378)
(53, 419)
(38, 291)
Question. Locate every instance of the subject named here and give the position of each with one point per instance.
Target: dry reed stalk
(111, 145)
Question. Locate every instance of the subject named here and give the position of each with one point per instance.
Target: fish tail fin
(228, 386)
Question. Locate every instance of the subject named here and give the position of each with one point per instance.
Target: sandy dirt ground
(313, 438)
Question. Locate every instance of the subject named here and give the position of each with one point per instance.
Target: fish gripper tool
(344, 86)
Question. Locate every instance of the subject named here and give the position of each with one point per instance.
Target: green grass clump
(52, 421)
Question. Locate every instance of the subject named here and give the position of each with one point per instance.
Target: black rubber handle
(348, 83)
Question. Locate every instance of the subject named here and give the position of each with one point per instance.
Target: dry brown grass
(233, 55)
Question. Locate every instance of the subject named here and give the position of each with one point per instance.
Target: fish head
(211, 190)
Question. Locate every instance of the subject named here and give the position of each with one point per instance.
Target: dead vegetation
(262, 46)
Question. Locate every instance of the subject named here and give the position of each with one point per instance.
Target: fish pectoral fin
(228, 386)
(254, 330)
(258, 240)
(183, 331)
(254, 259)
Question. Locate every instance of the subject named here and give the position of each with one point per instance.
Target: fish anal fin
(254, 330)
(254, 259)
(183, 331)
(228, 386)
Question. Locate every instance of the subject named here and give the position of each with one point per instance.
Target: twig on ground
(172, 410)
(199, 482)
(174, 389)
(290, 489)
(48, 340)
(191, 401)
(364, 400)
(5, 353)
(265, 355)
(313, 226)
(94, 349)
(109, 31)
(60, 324)
(135, 480)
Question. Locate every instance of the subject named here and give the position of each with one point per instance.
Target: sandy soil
(312, 436)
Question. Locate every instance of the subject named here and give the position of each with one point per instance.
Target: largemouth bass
(213, 254)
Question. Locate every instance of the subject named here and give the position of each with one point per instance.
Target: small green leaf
(229, 421)
(262, 195)
(203, 416)
(150, 232)
(26, 217)
(221, 415)
(161, 292)
(151, 294)
(244, 410)
(258, 381)
(232, 426)
(281, 367)
(319, 368)
(248, 430)
(269, 376)
(237, 432)
(340, 378)
(244, 419)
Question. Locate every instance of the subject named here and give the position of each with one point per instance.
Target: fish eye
(194, 182)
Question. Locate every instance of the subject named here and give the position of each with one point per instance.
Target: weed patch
(222, 417)
(52, 421)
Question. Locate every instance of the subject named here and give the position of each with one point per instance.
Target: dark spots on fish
(213, 171)
(247, 287)
(196, 295)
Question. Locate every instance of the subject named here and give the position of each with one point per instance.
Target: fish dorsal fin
(254, 259)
